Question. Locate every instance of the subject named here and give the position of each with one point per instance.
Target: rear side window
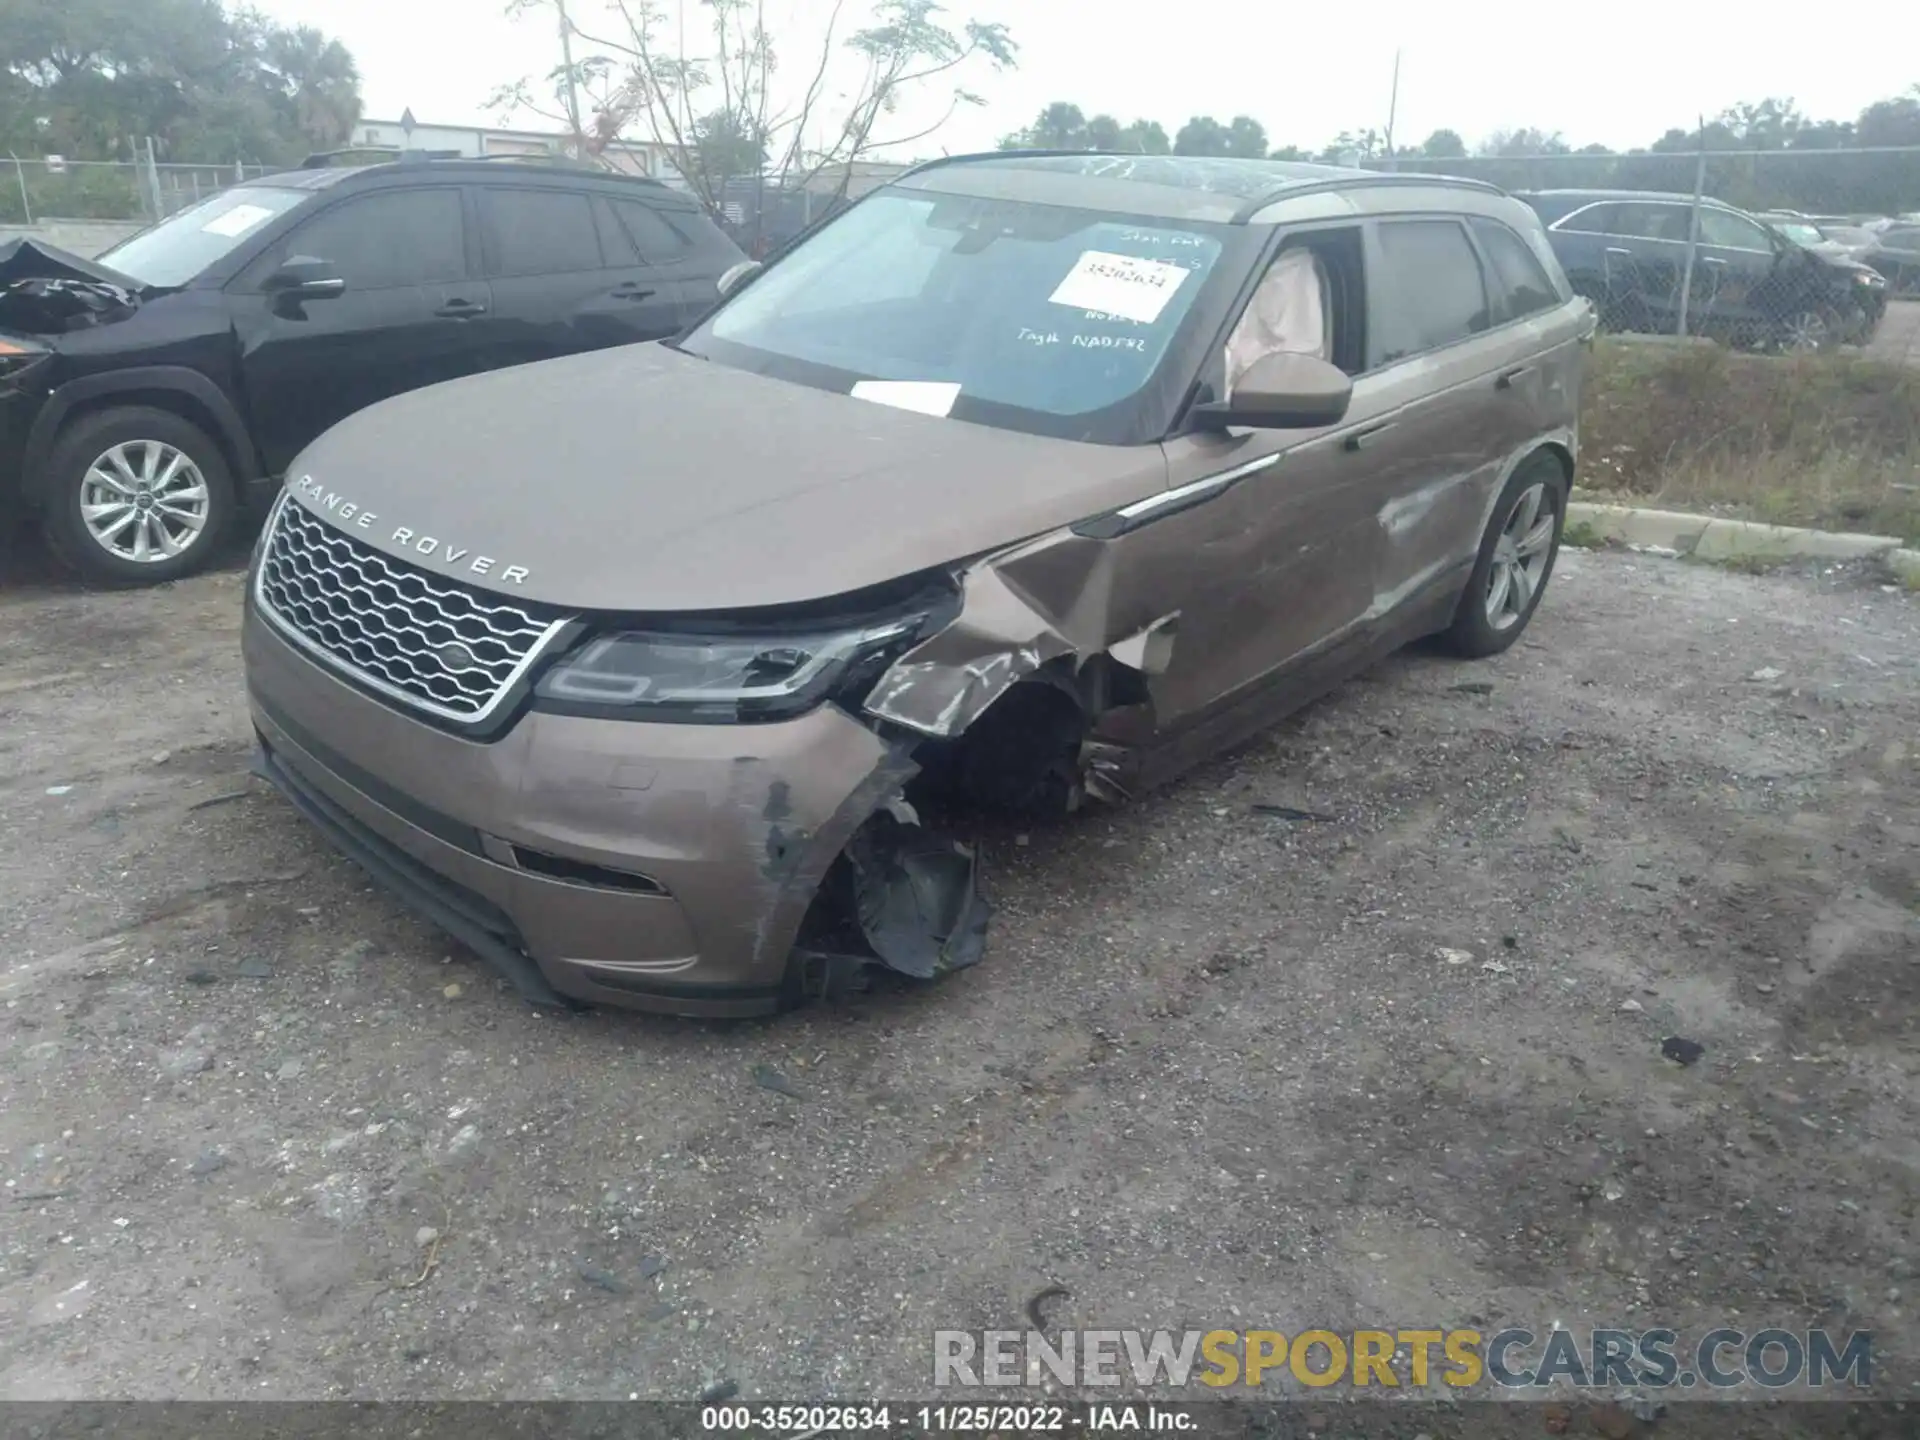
(380, 241)
(1653, 222)
(1593, 220)
(539, 232)
(1518, 276)
(1428, 290)
(659, 240)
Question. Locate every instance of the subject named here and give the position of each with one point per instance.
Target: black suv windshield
(1039, 318)
(176, 250)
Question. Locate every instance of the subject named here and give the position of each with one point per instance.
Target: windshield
(176, 250)
(1030, 317)
(1800, 232)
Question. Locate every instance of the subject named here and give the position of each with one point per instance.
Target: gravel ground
(265, 1135)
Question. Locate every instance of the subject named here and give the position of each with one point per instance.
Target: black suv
(1752, 285)
(144, 395)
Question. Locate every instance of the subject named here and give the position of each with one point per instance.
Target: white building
(406, 133)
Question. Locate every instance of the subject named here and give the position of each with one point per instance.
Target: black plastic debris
(718, 1391)
(652, 1265)
(1681, 1050)
(1287, 812)
(915, 898)
(768, 1078)
(600, 1278)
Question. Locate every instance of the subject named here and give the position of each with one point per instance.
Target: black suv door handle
(460, 310)
(1505, 382)
(631, 291)
(1361, 438)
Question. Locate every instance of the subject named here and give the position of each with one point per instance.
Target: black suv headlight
(722, 678)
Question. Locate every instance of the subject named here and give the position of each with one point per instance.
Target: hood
(27, 259)
(45, 290)
(644, 479)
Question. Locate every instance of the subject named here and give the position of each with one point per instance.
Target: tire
(1475, 633)
(178, 510)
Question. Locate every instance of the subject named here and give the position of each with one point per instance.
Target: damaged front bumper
(652, 866)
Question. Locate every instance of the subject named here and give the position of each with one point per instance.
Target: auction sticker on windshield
(237, 221)
(1122, 285)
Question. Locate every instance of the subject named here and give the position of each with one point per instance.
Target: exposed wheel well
(1021, 758)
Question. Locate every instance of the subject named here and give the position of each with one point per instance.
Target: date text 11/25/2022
(952, 1419)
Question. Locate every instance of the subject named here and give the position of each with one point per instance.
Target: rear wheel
(139, 496)
(1515, 561)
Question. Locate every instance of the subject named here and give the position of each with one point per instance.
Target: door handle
(1362, 438)
(631, 291)
(1505, 382)
(1619, 250)
(1711, 260)
(460, 310)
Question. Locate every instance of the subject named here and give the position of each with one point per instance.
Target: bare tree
(631, 76)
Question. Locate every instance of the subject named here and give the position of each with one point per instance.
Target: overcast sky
(1618, 73)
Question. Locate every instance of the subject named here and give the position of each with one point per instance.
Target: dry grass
(1830, 441)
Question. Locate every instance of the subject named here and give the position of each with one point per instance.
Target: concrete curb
(1710, 537)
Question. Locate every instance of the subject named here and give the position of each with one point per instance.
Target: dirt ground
(1215, 1070)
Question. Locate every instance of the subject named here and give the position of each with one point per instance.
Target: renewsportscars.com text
(1513, 1358)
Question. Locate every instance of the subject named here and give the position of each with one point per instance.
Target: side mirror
(303, 277)
(1282, 391)
(734, 276)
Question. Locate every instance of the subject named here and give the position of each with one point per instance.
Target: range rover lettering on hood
(429, 547)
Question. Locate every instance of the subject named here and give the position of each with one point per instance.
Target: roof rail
(1347, 182)
(1037, 154)
(325, 159)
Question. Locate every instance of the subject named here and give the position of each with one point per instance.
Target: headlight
(1869, 278)
(722, 678)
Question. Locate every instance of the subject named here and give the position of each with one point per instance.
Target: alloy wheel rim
(1520, 556)
(1807, 333)
(144, 501)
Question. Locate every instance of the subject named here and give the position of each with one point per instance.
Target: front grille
(415, 636)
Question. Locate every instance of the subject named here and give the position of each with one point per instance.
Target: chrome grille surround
(387, 623)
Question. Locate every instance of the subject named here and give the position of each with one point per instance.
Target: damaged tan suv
(1027, 480)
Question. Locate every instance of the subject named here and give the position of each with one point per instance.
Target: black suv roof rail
(325, 159)
(394, 155)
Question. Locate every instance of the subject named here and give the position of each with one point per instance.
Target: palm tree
(320, 82)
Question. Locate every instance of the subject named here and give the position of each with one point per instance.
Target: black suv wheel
(138, 496)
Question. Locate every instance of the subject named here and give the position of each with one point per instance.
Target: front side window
(1517, 272)
(1427, 291)
(1033, 317)
(1736, 232)
(381, 241)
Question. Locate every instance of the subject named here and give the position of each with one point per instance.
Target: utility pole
(1393, 108)
(573, 93)
(1693, 231)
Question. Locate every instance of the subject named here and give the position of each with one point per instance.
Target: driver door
(404, 319)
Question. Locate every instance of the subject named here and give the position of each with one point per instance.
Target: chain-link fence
(1763, 249)
(1803, 264)
(36, 190)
